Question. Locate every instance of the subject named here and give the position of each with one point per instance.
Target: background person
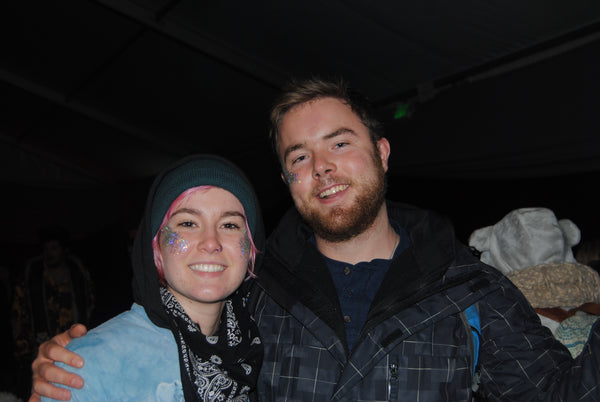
(55, 291)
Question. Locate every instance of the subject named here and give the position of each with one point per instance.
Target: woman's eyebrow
(191, 211)
(233, 213)
(194, 211)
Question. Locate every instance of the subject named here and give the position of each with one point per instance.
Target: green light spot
(401, 111)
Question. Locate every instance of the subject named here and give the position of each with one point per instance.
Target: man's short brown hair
(298, 92)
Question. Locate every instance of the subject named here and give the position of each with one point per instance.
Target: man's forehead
(317, 105)
(318, 118)
(327, 114)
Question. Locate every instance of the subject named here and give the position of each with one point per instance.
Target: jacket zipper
(393, 382)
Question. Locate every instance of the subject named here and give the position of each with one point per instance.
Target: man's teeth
(207, 267)
(333, 190)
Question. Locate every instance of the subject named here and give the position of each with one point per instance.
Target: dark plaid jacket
(414, 346)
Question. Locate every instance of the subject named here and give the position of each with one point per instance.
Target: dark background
(98, 96)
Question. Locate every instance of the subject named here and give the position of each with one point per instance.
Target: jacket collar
(432, 237)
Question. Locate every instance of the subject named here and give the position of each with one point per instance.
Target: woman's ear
(158, 260)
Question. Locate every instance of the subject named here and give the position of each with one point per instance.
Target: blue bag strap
(472, 314)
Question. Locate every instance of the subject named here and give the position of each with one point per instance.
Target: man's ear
(384, 149)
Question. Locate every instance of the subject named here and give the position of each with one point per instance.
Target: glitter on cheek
(291, 177)
(245, 247)
(173, 242)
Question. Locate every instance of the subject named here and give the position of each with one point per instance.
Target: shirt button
(347, 271)
(347, 318)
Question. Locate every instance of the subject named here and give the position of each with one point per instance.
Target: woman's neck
(206, 315)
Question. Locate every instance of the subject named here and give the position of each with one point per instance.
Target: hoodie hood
(192, 171)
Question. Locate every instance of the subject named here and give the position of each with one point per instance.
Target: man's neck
(378, 241)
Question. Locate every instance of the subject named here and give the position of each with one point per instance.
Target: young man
(361, 298)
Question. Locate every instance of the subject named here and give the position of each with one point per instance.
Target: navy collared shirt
(357, 285)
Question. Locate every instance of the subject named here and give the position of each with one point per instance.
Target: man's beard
(341, 224)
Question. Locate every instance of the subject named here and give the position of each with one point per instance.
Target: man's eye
(298, 159)
(341, 144)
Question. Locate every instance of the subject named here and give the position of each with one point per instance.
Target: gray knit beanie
(203, 170)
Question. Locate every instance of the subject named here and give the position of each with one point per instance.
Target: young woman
(188, 335)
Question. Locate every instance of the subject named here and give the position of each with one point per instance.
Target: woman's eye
(187, 224)
(231, 225)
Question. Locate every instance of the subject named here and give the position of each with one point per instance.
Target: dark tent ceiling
(97, 96)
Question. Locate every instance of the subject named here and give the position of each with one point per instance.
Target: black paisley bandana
(222, 367)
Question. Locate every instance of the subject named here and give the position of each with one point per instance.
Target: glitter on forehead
(173, 242)
(291, 177)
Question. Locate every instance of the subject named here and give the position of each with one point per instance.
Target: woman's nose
(210, 242)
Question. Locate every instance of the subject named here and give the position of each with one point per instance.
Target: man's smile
(333, 190)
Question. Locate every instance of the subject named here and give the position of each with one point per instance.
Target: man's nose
(322, 165)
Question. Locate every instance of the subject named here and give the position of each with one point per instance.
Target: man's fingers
(49, 390)
(52, 351)
(77, 331)
(48, 372)
(35, 398)
(45, 372)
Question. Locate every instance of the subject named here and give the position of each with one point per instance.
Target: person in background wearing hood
(188, 335)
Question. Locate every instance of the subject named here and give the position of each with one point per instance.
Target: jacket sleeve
(520, 360)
